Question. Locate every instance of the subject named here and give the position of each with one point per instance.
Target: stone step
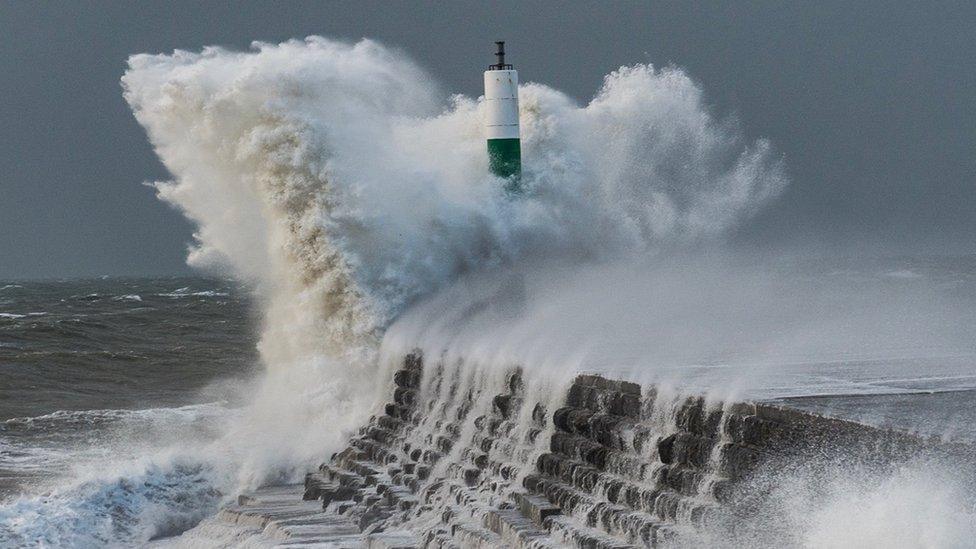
(737, 460)
(400, 497)
(566, 497)
(588, 478)
(338, 474)
(374, 513)
(516, 529)
(474, 536)
(394, 424)
(464, 473)
(338, 542)
(314, 484)
(320, 528)
(281, 516)
(269, 493)
(686, 449)
(404, 396)
(570, 533)
(404, 413)
(384, 436)
(536, 508)
(259, 516)
(622, 400)
(472, 504)
(408, 377)
(506, 405)
(610, 430)
(364, 468)
(650, 506)
(439, 538)
(501, 449)
(398, 539)
(373, 450)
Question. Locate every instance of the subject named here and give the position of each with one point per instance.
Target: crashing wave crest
(324, 169)
(340, 181)
(344, 185)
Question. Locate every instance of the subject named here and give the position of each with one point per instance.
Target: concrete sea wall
(477, 459)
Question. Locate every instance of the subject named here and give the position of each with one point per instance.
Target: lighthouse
(502, 121)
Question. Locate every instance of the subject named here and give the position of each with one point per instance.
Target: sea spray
(319, 161)
(122, 500)
(708, 324)
(347, 188)
(338, 179)
(833, 502)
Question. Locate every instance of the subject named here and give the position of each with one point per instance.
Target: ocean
(96, 370)
(130, 410)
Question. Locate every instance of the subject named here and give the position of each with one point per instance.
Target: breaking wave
(126, 476)
(344, 185)
(186, 292)
(125, 505)
(94, 417)
(353, 195)
(338, 173)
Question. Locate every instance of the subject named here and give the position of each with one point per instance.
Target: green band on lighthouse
(505, 157)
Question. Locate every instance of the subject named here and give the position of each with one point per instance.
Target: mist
(343, 207)
(351, 192)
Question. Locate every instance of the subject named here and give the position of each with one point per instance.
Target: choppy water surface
(122, 415)
(96, 370)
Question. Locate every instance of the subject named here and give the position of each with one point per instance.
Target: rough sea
(97, 370)
(127, 409)
(130, 410)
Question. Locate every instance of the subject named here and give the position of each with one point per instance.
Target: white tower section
(501, 96)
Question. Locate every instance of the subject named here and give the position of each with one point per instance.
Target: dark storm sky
(873, 105)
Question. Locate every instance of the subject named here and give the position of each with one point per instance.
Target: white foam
(341, 183)
(344, 185)
(135, 475)
(705, 324)
(187, 412)
(910, 508)
(121, 505)
(185, 292)
(915, 505)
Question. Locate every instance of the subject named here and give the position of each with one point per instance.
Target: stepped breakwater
(465, 458)
(298, 164)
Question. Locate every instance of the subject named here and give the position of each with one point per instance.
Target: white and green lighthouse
(502, 121)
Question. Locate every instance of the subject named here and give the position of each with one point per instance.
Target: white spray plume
(338, 180)
(711, 323)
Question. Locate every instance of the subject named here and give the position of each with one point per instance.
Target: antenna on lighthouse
(502, 121)
(500, 54)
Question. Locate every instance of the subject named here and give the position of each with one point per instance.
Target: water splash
(340, 181)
